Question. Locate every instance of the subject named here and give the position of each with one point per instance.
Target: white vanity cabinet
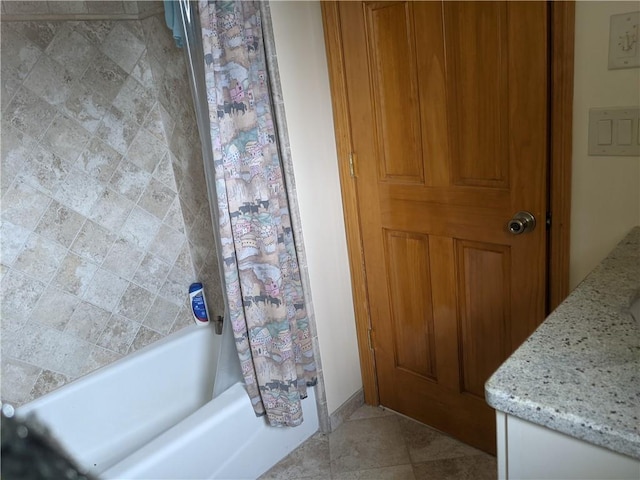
(530, 451)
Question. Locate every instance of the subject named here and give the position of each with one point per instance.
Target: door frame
(561, 51)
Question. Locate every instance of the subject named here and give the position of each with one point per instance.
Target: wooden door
(448, 112)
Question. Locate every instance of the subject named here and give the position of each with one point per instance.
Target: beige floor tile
(368, 443)
(309, 461)
(397, 472)
(367, 411)
(425, 443)
(478, 467)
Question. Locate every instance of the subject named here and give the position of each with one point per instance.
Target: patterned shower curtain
(266, 302)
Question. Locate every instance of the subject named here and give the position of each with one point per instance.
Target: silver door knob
(522, 222)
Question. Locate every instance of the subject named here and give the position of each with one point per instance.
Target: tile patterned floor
(375, 444)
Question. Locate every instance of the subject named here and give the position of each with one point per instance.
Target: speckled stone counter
(579, 373)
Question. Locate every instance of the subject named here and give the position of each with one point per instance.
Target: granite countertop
(579, 373)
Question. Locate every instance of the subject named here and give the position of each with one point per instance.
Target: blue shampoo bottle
(198, 304)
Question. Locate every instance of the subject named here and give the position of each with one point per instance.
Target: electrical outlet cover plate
(624, 51)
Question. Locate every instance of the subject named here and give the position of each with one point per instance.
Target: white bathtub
(150, 416)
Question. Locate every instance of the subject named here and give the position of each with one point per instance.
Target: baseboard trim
(345, 410)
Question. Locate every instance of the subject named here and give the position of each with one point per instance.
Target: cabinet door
(530, 451)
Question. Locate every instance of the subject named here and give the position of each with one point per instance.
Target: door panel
(448, 116)
(483, 272)
(411, 307)
(479, 123)
(394, 84)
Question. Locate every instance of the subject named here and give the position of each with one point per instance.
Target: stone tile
(176, 287)
(40, 257)
(100, 357)
(134, 101)
(123, 47)
(23, 205)
(123, 258)
(119, 334)
(194, 197)
(164, 172)
(15, 147)
(151, 273)
(479, 467)
(8, 88)
(310, 460)
(199, 252)
(74, 275)
(60, 223)
(86, 106)
(146, 151)
(397, 472)
(93, 30)
(157, 198)
(50, 80)
(13, 238)
(48, 381)
(366, 444)
(44, 170)
(29, 113)
(183, 262)
(140, 228)
(143, 74)
(39, 32)
(134, 303)
(174, 218)
(98, 160)
(12, 321)
(131, 7)
(105, 289)
(79, 192)
(105, 76)
(71, 50)
(369, 411)
(130, 180)
(179, 171)
(87, 322)
(167, 244)
(3, 270)
(167, 120)
(105, 8)
(55, 308)
(20, 294)
(161, 315)
(145, 336)
(93, 242)
(18, 378)
(111, 210)
(66, 138)
(425, 443)
(67, 7)
(19, 55)
(47, 348)
(117, 130)
(26, 7)
(184, 319)
(135, 26)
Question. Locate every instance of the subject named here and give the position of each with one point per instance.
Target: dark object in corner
(29, 452)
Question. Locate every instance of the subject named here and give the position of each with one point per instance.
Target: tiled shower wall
(105, 216)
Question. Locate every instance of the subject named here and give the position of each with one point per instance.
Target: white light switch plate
(624, 51)
(614, 131)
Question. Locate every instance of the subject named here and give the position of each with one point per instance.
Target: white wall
(606, 190)
(303, 71)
